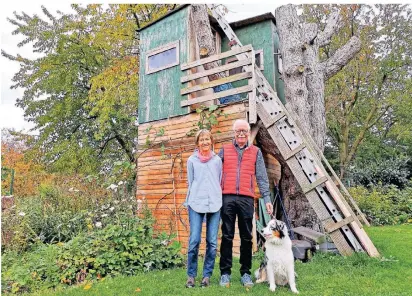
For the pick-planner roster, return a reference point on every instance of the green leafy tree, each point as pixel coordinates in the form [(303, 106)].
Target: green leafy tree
[(371, 96), (82, 91)]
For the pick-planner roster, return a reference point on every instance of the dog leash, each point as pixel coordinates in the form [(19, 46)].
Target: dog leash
[(277, 195)]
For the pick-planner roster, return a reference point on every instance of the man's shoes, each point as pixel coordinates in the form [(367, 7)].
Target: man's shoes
[(190, 283), (246, 280), (225, 280), (205, 282)]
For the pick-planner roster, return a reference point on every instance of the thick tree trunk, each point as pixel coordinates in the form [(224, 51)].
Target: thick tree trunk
[(304, 77), (205, 37), (299, 211)]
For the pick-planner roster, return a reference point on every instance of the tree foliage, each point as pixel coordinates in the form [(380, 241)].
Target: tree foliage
[(371, 97), (82, 91)]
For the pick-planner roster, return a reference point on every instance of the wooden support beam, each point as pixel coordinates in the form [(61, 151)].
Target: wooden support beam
[(254, 131), (333, 227), (315, 184), (216, 70), (216, 57), (218, 95), (252, 94), (317, 237), (294, 151), (214, 83)]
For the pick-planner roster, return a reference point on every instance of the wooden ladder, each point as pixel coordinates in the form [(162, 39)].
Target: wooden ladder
[(305, 160)]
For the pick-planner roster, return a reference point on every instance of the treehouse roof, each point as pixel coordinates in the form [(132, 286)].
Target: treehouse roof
[(214, 23)]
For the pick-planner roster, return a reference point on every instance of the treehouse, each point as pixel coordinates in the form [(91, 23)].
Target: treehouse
[(179, 92), (173, 84)]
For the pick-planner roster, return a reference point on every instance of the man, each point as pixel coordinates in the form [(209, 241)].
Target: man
[(242, 162)]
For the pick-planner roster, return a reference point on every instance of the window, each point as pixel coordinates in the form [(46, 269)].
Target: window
[(280, 62), (258, 61), (162, 57)]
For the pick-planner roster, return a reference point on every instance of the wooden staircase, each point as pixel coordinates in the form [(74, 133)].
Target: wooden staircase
[(299, 150)]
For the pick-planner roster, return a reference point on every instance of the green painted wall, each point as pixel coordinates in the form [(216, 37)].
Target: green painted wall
[(261, 35), (159, 92), (280, 87)]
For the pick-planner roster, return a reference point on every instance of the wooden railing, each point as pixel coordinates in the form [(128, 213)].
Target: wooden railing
[(193, 87)]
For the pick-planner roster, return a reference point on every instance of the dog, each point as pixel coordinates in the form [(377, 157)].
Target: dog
[(279, 265)]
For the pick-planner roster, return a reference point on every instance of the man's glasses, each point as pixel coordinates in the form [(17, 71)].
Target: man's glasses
[(241, 131)]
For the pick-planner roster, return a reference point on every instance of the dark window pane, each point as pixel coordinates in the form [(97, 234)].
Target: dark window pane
[(162, 59), (257, 59)]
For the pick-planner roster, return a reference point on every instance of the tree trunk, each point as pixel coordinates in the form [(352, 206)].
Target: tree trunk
[(205, 37), (304, 77)]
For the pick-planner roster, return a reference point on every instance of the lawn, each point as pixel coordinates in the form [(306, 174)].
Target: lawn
[(323, 275)]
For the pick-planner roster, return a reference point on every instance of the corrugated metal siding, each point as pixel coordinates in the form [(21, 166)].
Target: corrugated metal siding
[(159, 92)]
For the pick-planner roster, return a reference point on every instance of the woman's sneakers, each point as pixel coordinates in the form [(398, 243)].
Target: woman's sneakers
[(205, 282), (190, 283)]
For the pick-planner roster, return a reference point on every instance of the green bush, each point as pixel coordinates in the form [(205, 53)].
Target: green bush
[(58, 216), (385, 205), (113, 250), (24, 272)]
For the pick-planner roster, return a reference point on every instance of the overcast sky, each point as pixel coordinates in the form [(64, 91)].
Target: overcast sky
[(12, 116)]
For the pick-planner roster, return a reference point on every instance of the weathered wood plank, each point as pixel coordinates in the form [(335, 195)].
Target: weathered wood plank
[(339, 224), (216, 57), (315, 184), (230, 109), (218, 95), (215, 70), (210, 84)]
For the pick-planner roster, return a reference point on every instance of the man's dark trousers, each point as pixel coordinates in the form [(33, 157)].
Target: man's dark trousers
[(242, 207)]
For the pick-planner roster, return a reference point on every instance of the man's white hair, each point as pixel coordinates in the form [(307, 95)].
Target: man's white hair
[(241, 121)]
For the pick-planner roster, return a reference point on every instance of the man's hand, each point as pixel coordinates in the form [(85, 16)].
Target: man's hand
[(269, 208)]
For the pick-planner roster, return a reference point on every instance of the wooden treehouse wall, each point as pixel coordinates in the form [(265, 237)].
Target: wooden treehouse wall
[(161, 170)]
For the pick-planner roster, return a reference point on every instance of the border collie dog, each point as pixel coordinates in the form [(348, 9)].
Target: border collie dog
[(279, 265)]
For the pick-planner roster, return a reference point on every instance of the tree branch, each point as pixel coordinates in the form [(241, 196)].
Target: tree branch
[(332, 25), (341, 57), (124, 147)]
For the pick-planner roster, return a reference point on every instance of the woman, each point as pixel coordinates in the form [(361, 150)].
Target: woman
[(204, 200)]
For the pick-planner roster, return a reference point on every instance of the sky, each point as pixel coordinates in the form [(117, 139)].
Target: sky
[(12, 116)]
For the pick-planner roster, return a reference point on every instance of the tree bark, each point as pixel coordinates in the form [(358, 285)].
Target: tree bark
[(304, 78), (205, 37)]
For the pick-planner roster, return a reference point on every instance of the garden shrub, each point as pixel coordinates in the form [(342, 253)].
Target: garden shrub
[(385, 205), (57, 215), (123, 249)]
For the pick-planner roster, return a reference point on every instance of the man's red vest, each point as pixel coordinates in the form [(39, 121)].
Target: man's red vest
[(244, 172)]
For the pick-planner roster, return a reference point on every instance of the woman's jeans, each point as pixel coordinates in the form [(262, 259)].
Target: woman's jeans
[(212, 228)]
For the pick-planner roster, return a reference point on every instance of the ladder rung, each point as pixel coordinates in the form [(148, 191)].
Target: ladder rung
[(275, 119), (295, 151), (333, 227), (315, 184)]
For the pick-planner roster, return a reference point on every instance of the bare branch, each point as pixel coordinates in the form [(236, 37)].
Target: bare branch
[(332, 25), (341, 57)]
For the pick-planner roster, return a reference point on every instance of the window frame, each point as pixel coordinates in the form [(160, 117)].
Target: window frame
[(160, 49)]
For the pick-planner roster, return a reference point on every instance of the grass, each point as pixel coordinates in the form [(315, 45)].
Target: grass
[(324, 275)]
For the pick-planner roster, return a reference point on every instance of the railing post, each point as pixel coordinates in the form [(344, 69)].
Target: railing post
[(252, 95)]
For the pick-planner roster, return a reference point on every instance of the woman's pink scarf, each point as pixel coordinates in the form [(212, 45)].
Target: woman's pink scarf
[(204, 158)]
